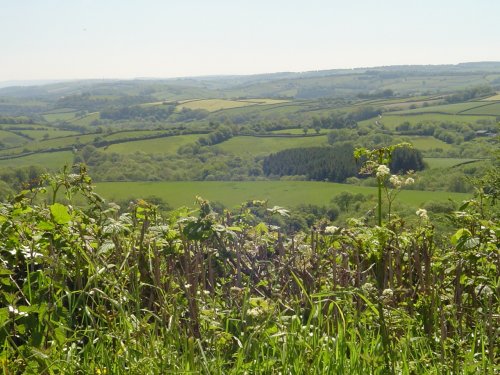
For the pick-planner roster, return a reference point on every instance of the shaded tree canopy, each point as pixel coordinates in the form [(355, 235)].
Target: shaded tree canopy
[(317, 163), (406, 159)]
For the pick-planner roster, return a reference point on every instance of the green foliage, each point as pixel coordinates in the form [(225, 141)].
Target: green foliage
[(317, 163), (406, 159), (92, 290), (153, 113)]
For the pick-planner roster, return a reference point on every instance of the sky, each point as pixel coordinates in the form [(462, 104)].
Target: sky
[(81, 39)]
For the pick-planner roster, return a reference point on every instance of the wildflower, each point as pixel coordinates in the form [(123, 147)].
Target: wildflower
[(409, 181), (255, 312), (14, 311), (395, 181), (331, 229), (388, 293), (422, 213), (383, 170)]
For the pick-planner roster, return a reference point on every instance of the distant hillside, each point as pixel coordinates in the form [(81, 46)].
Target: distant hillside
[(400, 80)]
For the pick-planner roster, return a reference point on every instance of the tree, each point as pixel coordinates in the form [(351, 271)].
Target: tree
[(406, 159)]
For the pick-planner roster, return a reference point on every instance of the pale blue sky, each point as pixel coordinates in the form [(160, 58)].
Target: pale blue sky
[(60, 39)]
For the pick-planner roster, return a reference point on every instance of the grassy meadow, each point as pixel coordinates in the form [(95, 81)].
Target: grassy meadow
[(446, 162), (233, 193), (10, 139), (256, 146), (425, 143), (51, 160), (392, 120), (166, 145)]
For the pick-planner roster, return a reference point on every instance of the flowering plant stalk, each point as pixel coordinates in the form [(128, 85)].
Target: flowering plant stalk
[(376, 161)]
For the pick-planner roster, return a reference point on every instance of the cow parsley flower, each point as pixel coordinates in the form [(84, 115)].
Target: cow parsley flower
[(409, 181), (422, 213), (382, 171), (255, 312), (331, 229), (395, 181)]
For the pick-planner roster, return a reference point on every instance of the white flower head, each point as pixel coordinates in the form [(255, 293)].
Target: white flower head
[(388, 293), (255, 312), (395, 181), (409, 181), (422, 213), (382, 171), (331, 229), (14, 311)]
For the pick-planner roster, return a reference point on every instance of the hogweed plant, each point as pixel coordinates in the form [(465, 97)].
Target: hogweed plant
[(375, 162)]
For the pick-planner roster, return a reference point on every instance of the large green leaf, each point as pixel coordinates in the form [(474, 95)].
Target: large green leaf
[(60, 213)]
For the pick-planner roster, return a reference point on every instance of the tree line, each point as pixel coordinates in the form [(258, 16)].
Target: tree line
[(316, 163), (333, 163)]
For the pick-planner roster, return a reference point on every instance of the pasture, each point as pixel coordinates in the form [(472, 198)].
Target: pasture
[(213, 105), (257, 146), (492, 109), (10, 139), (132, 134), (451, 109), (39, 134), (233, 193), (59, 116), (434, 163), (426, 143), (390, 121), (86, 120), (55, 143), (493, 98), (166, 145), (51, 160)]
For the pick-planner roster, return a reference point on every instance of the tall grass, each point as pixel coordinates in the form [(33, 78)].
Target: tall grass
[(91, 290)]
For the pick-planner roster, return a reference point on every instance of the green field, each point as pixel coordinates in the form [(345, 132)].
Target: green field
[(86, 120), (391, 121), (55, 143), (493, 98), (425, 143), (255, 146), (132, 134), (265, 101), (231, 194), (492, 109), (213, 105), (60, 116), (446, 162), (49, 160), (9, 139), (39, 134), (451, 109), (167, 145)]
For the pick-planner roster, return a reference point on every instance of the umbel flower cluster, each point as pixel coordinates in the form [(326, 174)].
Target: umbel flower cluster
[(383, 171), (399, 181)]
